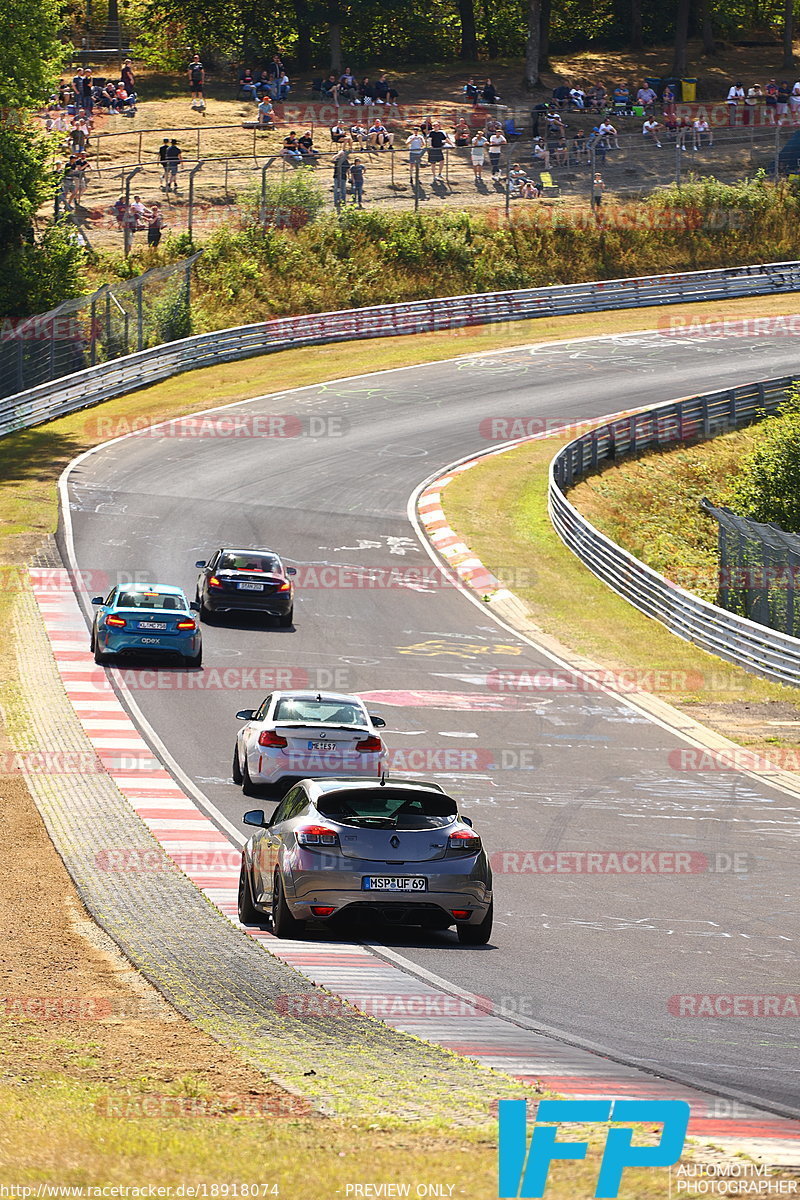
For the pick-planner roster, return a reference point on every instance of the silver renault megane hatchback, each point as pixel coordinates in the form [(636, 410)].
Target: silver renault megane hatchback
[(397, 850)]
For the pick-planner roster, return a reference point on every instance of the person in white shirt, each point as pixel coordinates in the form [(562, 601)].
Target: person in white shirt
[(416, 146), (608, 135), (650, 129), (701, 129), (496, 143), (735, 98), (794, 99), (577, 98)]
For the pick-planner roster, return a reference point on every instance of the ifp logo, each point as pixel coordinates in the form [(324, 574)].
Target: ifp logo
[(523, 1171)]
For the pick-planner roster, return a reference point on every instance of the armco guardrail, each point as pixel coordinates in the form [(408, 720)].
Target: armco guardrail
[(95, 384), (755, 647)]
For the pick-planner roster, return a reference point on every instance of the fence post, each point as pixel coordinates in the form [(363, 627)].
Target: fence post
[(777, 151), (188, 287), (416, 186), (93, 327), (678, 163), (263, 207), (592, 172), (139, 316), (126, 228), (508, 182)]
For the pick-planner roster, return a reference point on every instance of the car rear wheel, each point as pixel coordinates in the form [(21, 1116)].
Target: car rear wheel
[(287, 619), (206, 615), (477, 935), (236, 770), (248, 787), (194, 660), (248, 913), (284, 925), (99, 657)]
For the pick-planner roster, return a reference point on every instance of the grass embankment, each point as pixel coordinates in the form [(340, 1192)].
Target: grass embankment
[(56, 1072), (379, 257), (571, 604)]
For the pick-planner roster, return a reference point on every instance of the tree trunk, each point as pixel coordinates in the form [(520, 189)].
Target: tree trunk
[(707, 28), (544, 43), (488, 29), (335, 34), (637, 31), (531, 77), (469, 39), (788, 29), (302, 55), (681, 37)]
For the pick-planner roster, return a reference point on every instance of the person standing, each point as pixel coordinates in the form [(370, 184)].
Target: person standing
[(416, 145), (127, 76), (341, 170), (357, 180), (163, 159), (438, 139), (598, 187), (155, 224), (478, 153), (197, 78), (174, 160), (735, 98), (496, 143)]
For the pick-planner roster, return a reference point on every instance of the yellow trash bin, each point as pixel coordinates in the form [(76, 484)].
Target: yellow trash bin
[(689, 90)]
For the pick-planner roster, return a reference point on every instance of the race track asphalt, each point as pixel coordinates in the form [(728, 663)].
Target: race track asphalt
[(595, 956)]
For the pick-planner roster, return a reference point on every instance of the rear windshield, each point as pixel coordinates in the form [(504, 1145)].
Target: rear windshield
[(329, 712), (388, 808), (266, 563), (154, 599)]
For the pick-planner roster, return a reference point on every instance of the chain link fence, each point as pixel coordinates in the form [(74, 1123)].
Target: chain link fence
[(759, 570), (118, 319)]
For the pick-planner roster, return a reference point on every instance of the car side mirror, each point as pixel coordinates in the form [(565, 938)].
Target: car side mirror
[(377, 721), (201, 563), (467, 821), (245, 714), (255, 817), (97, 599), (194, 606), (291, 570)]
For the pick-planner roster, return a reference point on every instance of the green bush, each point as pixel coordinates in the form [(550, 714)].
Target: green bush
[(767, 486)]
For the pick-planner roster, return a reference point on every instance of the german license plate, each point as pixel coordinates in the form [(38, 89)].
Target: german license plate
[(394, 883), (323, 747), (251, 587), (152, 624)]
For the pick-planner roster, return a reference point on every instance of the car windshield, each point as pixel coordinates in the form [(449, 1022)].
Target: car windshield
[(243, 561), (154, 599), (388, 808), (329, 712)]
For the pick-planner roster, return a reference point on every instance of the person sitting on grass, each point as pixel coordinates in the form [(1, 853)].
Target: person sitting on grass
[(247, 84), (291, 150), (650, 130), (596, 97), (489, 93), (330, 89), (384, 92), (577, 98), (366, 91), (540, 154), (305, 145), (265, 114), (520, 183), (471, 92), (263, 85), (579, 148), (608, 136), (348, 86)]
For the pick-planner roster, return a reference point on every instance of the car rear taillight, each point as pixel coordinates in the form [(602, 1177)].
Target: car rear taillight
[(186, 625), (322, 910), (268, 737), (214, 582), (116, 622), (463, 841), (285, 586), (317, 835), (370, 745)]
